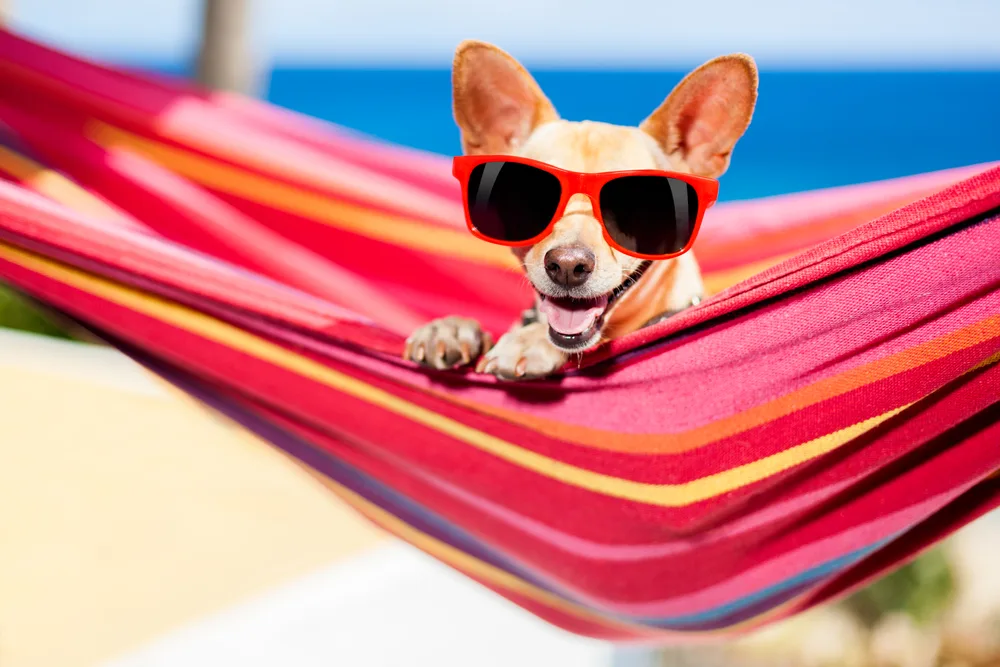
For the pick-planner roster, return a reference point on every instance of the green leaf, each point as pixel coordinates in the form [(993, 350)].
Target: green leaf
[(16, 312)]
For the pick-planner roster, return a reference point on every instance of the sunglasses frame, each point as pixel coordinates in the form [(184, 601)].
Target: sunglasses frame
[(588, 184)]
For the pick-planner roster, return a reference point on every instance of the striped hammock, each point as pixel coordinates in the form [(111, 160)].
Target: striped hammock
[(832, 410)]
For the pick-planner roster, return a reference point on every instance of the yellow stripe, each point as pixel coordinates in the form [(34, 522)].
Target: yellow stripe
[(989, 361), (664, 495), (53, 185), (384, 227)]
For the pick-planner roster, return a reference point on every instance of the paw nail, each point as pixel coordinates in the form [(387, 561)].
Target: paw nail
[(521, 368), (407, 350), (466, 352), (439, 350), (421, 353)]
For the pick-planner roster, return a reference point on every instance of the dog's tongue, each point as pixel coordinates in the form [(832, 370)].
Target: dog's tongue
[(570, 317)]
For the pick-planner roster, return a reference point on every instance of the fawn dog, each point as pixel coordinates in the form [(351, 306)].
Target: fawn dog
[(600, 216)]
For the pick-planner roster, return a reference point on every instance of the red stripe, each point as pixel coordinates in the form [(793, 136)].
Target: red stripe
[(908, 446)]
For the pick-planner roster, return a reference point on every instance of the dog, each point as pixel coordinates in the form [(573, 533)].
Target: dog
[(500, 110)]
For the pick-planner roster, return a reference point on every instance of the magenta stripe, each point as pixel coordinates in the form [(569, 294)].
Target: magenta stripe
[(775, 570), (722, 357)]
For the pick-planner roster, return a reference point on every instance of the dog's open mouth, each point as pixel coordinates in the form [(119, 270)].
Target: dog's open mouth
[(575, 324)]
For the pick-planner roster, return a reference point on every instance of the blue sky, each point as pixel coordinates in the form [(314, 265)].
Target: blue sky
[(648, 33)]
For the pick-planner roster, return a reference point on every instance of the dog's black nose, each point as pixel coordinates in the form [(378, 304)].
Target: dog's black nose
[(569, 266)]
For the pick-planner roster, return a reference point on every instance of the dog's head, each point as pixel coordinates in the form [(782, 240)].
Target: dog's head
[(500, 109)]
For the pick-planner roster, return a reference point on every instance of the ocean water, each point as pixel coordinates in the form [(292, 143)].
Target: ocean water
[(810, 129)]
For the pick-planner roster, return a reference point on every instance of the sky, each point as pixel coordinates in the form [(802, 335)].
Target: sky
[(786, 34)]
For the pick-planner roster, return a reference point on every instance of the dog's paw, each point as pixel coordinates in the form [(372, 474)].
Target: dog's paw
[(447, 343), (523, 353)]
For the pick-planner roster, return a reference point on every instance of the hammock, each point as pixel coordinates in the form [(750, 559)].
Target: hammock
[(831, 411)]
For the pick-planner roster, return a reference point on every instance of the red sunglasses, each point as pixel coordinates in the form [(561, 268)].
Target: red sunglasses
[(646, 213)]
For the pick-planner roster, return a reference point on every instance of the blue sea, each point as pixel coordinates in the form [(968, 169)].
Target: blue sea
[(810, 130)]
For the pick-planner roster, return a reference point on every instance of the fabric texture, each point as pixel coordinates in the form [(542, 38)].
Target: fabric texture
[(829, 412)]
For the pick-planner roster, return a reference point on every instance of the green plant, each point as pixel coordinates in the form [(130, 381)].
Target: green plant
[(921, 589), (17, 312)]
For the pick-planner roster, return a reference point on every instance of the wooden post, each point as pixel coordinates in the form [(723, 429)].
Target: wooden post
[(224, 57)]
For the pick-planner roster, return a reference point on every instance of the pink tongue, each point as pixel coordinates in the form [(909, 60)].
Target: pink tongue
[(572, 317)]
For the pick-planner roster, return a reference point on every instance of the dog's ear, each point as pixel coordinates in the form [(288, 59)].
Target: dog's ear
[(497, 103), (702, 119)]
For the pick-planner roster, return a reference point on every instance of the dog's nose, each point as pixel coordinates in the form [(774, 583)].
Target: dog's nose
[(569, 266)]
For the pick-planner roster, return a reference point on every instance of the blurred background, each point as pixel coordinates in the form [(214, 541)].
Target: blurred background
[(850, 91)]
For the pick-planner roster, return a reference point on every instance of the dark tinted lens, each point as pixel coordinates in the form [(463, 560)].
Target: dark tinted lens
[(509, 201), (649, 215)]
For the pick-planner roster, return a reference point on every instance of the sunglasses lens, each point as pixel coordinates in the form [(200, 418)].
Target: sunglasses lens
[(509, 201), (649, 215)]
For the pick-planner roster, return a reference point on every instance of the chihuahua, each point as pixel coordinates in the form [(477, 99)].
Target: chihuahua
[(597, 274)]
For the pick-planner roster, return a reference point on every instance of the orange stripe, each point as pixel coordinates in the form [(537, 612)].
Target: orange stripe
[(410, 232), (676, 443), (318, 207), (716, 281), (53, 185), (403, 230)]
